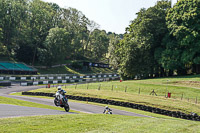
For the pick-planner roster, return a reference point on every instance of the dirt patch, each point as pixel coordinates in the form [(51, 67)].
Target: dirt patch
[(188, 83)]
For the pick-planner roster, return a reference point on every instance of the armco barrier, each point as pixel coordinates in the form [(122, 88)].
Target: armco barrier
[(45, 82), (58, 77), (176, 114)]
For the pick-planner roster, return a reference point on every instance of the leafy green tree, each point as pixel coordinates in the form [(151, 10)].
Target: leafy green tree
[(141, 41), (98, 44), (29, 28), (183, 23), (39, 24), (57, 46), (112, 55), (91, 27), (2, 47), (12, 15), (76, 23)]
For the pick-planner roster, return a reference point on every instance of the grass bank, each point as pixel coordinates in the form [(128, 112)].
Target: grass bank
[(155, 101), (70, 70), (5, 100), (185, 97), (96, 123)]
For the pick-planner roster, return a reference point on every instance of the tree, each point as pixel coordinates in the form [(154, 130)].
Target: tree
[(26, 26), (98, 44), (76, 23), (183, 23), (112, 55), (12, 15), (39, 24), (2, 47), (57, 46), (141, 41), (91, 27)]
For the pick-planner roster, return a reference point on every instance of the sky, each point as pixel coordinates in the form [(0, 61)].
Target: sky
[(111, 15)]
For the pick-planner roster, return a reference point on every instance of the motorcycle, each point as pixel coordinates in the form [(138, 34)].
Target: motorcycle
[(108, 111), (61, 100)]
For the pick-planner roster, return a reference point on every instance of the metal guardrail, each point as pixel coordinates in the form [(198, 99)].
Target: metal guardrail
[(57, 77), (45, 82)]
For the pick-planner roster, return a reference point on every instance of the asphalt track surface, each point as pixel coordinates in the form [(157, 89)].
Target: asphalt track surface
[(17, 111)]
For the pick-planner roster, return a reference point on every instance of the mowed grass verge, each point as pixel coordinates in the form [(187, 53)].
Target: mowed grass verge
[(5, 100), (184, 98), (70, 70), (83, 123)]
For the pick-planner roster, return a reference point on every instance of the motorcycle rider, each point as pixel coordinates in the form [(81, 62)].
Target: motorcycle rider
[(107, 109), (60, 94)]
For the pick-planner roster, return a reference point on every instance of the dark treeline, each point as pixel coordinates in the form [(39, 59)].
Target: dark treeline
[(161, 41), (33, 31)]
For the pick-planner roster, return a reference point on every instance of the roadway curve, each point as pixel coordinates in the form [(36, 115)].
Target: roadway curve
[(86, 108)]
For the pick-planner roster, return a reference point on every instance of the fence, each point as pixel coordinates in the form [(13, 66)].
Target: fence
[(137, 90)]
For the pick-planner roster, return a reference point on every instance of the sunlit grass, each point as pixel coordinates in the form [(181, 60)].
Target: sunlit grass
[(155, 101), (69, 70), (183, 98), (5, 100), (82, 123)]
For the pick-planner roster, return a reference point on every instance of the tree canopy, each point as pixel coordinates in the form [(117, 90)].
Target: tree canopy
[(160, 41), (34, 31)]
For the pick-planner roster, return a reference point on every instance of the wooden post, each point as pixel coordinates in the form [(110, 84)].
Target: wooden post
[(75, 86), (112, 87), (139, 91), (87, 86), (182, 97), (99, 87), (196, 100), (125, 88), (65, 86)]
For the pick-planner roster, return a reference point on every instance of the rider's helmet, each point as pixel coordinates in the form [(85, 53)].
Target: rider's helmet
[(59, 88), (106, 107)]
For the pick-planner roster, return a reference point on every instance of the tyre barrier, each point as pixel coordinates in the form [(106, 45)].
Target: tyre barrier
[(177, 114)]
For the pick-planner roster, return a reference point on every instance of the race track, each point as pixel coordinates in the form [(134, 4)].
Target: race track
[(86, 108), (17, 111)]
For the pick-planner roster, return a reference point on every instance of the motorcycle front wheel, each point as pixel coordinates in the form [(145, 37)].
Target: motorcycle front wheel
[(56, 102), (66, 108)]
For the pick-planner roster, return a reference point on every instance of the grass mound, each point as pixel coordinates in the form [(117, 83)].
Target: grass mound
[(70, 70), (96, 123), (184, 98)]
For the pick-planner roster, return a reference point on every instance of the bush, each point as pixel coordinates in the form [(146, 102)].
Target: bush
[(77, 65)]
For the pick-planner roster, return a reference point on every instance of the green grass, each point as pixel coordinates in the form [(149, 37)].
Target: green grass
[(69, 70), (5, 100), (160, 102), (85, 123), (115, 123), (111, 106), (185, 97)]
